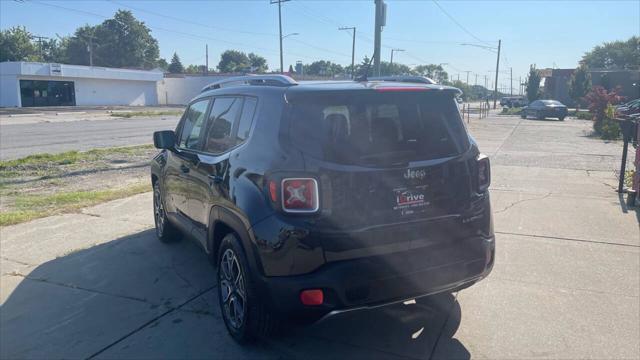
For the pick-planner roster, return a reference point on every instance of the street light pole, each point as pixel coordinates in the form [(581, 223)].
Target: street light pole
[(353, 49), (279, 2)]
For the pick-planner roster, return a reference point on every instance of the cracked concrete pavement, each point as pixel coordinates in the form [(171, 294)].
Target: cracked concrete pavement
[(566, 283)]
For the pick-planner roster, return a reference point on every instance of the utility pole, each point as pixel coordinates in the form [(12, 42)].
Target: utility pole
[(476, 82), (467, 76), (206, 66), (353, 49), (391, 62), (486, 82), (520, 87), (40, 38), (495, 91), (511, 82), (279, 2), (380, 21), (458, 76), (91, 51)]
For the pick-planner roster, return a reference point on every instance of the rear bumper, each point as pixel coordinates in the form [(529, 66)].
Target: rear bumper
[(375, 281)]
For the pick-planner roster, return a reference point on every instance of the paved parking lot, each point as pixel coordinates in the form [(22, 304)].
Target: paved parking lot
[(566, 283)]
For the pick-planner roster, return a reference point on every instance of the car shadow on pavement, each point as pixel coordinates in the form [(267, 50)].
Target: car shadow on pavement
[(135, 297)]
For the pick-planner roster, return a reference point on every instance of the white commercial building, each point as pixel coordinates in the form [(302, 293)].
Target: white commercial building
[(24, 84), (180, 89)]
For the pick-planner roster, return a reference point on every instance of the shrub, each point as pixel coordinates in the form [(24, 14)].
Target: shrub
[(600, 103), (608, 128)]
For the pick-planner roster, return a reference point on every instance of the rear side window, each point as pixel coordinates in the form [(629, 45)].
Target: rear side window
[(378, 129), (193, 125), (224, 114), (246, 119)]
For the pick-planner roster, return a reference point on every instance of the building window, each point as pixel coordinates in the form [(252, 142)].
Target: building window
[(47, 93)]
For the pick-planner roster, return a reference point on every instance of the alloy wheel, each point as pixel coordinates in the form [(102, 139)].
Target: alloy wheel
[(158, 213), (232, 289)]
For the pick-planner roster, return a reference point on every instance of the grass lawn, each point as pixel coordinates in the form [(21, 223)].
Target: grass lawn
[(146, 113), (29, 207), (48, 184)]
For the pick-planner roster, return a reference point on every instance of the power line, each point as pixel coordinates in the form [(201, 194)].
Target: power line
[(457, 23), (191, 21), (184, 34)]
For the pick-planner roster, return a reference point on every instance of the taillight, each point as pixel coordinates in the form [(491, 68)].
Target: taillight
[(300, 195), (484, 173)]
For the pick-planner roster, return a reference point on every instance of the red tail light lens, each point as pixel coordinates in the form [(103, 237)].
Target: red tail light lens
[(484, 173), (312, 297), (300, 195)]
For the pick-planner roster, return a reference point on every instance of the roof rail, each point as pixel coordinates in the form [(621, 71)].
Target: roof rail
[(404, 78), (267, 80)]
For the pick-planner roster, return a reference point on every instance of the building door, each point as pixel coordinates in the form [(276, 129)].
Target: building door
[(47, 93)]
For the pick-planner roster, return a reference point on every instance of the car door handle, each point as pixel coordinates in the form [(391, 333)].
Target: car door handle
[(184, 168), (215, 179)]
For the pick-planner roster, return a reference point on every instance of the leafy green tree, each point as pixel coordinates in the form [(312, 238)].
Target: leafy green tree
[(16, 45), (78, 45), (533, 84), (176, 66), (233, 61), (258, 63), (163, 64), (125, 42), (387, 68), (361, 67), (323, 68), (615, 55), (433, 71), (579, 84)]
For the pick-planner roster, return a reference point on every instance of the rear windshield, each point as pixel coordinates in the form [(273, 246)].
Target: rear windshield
[(378, 129)]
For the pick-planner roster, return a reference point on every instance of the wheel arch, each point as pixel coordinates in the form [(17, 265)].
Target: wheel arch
[(222, 222)]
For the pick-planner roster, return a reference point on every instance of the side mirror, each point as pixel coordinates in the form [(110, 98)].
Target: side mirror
[(164, 139)]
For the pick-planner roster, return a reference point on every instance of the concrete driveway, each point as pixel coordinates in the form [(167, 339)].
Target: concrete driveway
[(566, 283)]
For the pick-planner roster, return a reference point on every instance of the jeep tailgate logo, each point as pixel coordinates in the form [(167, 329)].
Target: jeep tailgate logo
[(415, 174)]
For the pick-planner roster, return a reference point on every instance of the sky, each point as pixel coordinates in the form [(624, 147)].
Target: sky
[(546, 33)]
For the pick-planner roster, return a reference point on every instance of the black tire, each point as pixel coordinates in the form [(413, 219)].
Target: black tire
[(256, 319), (165, 231), (523, 114), (539, 115), (561, 118)]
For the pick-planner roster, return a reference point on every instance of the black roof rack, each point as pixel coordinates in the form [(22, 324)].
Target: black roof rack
[(404, 78), (267, 80)]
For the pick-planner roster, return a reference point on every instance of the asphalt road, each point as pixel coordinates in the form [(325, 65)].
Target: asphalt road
[(566, 281), (19, 140)]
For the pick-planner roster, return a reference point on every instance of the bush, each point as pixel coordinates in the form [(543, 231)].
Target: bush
[(609, 129), (601, 107)]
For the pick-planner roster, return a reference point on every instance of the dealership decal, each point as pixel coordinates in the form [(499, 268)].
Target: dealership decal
[(409, 200)]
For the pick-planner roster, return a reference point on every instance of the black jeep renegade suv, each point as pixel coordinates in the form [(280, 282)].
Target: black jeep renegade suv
[(320, 197)]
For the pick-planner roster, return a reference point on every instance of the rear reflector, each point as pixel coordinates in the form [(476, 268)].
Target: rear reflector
[(300, 195), (312, 297), (273, 191)]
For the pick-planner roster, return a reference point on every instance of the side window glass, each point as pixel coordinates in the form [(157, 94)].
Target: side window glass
[(246, 119), (224, 114), (193, 125)]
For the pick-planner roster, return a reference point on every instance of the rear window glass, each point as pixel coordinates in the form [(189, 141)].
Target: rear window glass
[(378, 129)]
